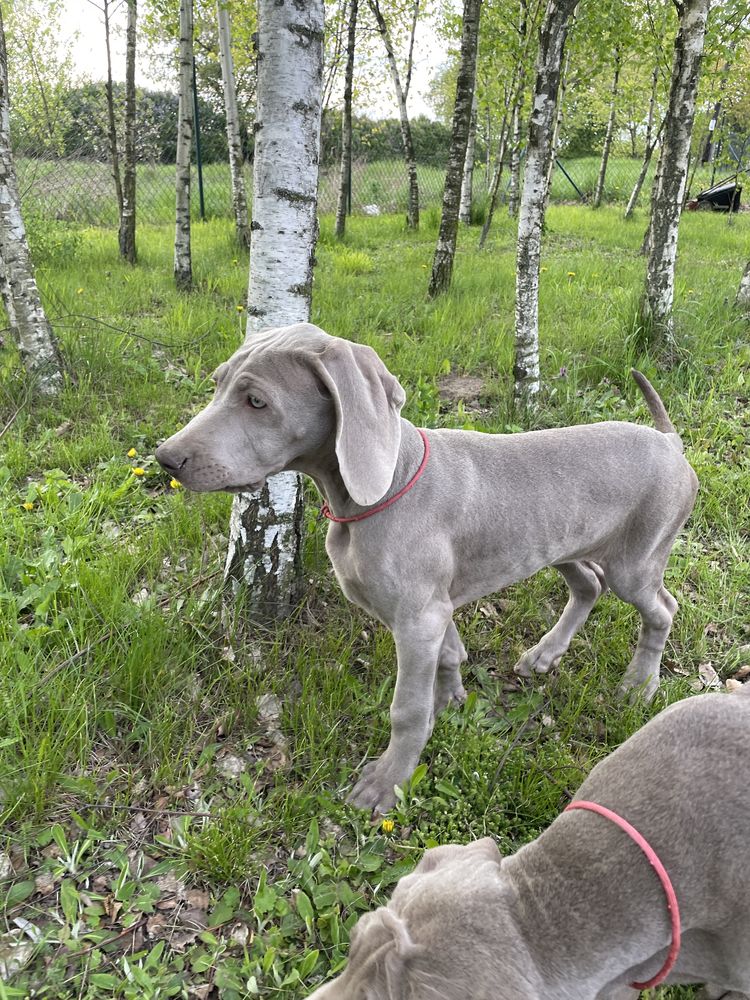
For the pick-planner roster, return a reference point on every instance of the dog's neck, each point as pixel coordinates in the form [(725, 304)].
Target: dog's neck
[(323, 468), (589, 912)]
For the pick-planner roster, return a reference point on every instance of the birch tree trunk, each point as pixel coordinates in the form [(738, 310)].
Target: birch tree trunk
[(467, 181), (514, 188), (552, 37), (127, 215), (266, 528), (20, 295), (495, 185), (743, 292), (666, 206), (239, 196), (412, 208), (111, 122), (345, 179), (445, 251), (648, 153), (608, 135), (555, 143), (183, 266), (650, 144)]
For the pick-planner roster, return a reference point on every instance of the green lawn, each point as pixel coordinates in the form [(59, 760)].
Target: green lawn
[(171, 778)]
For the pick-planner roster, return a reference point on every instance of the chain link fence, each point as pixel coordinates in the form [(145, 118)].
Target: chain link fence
[(74, 181)]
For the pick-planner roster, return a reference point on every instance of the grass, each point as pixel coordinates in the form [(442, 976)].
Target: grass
[(173, 777)]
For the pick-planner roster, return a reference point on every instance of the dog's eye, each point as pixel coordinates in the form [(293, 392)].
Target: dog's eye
[(256, 403)]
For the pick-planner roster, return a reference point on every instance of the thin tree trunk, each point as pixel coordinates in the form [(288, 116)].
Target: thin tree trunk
[(445, 251), (495, 185), (412, 209), (599, 189), (183, 267), (266, 528), (467, 181), (556, 131), (673, 167), (743, 292), (514, 188), (345, 179), (649, 152), (552, 37), (127, 216), (239, 196), (111, 122), (20, 295)]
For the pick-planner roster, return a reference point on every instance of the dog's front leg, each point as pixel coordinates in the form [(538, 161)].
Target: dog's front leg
[(418, 644)]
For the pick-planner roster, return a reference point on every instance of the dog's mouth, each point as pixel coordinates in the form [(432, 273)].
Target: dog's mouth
[(245, 488)]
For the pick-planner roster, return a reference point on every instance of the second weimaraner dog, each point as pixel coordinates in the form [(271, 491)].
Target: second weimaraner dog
[(602, 503), (578, 913)]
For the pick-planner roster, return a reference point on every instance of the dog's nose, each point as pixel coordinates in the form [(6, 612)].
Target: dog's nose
[(169, 459)]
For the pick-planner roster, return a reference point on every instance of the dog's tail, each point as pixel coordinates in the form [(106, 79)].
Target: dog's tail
[(658, 411)]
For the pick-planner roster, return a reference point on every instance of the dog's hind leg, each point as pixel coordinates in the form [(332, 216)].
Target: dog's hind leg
[(448, 683), (586, 583), (657, 608)]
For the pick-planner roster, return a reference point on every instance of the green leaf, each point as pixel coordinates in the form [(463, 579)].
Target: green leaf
[(313, 838), (19, 891), (417, 777), (104, 980), (308, 963), (305, 908), (69, 898)]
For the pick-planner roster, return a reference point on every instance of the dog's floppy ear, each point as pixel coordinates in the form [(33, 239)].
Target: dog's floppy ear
[(436, 857), (368, 400), (380, 956)]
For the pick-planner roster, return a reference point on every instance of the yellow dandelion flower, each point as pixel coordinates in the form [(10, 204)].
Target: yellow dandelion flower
[(28, 505), (175, 484), (138, 471), (387, 826), (543, 269), (79, 291), (571, 274), (234, 260), (132, 453), (240, 309)]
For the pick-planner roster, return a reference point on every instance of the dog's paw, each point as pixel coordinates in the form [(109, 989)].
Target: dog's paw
[(446, 693), (536, 660), (374, 790), (637, 690)]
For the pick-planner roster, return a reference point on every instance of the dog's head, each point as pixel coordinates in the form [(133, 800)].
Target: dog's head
[(435, 937), (285, 396)]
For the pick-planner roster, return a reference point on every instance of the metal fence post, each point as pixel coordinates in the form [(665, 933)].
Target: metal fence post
[(198, 158)]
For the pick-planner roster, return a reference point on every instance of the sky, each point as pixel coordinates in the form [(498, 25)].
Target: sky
[(83, 33)]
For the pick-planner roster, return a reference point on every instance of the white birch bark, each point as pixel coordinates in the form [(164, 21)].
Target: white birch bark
[(26, 316), (467, 182), (666, 206), (239, 195), (266, 528), (514, 188), (557, 130), (412, 208), (445, 251), (127, 215), (183, 267), (345, 176), (743, 292), (552, 37), (609, 133)]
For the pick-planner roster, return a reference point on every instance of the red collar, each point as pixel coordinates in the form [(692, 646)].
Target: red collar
[(325, 510), (653, 859)]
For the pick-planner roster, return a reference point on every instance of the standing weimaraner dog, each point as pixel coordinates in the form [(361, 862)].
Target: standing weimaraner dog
[(579, 914), (600, 502)]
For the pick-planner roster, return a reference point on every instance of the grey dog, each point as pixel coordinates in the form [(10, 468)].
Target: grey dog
[(579, 914), (602, 503)]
